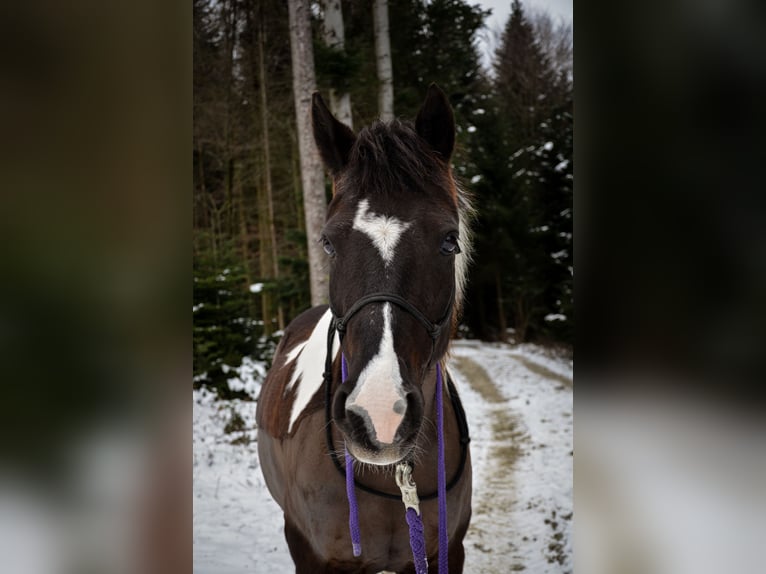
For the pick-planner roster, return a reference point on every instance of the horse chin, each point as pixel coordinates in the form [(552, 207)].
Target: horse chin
[(385, 456)]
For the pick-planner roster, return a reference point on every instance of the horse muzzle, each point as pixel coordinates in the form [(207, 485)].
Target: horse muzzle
[(379, 428)]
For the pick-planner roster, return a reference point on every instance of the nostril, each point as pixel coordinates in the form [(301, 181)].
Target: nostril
[(339, 404), (360, 428), (415, 404)]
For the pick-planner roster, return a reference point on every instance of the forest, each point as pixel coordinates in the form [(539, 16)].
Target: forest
[(514, 153)]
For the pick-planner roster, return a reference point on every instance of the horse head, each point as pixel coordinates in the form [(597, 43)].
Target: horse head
[(393, 236)]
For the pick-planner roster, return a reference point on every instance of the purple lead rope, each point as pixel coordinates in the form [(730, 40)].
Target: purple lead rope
[(417, 541), (353, 509)]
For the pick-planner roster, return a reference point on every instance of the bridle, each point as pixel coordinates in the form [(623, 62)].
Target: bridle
[(339, 324), (434, 330)]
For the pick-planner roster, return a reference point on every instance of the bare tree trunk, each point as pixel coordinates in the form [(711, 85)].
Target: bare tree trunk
[(215, 225), (230, 43), (267, 170), (244, 233), (312, 177), (208, 207), (500, 308), (295, 171), (383, 59), (334, 37), (522, 320), (265, 270)]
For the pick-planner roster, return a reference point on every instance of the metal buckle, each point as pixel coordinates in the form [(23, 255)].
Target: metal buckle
[(407, 486)]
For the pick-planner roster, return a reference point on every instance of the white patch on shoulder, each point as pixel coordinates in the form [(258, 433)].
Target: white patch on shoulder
[(309, 367), (384, 231)]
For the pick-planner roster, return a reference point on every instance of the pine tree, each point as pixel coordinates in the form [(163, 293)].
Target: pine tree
[(524, 79), (522, 158)]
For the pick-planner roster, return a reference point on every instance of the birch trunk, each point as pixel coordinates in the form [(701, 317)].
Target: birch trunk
[(312, 176), (383, 60), (335, 38)]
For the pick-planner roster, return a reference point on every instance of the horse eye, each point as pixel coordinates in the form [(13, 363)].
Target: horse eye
[(449, 245), (328, 248)]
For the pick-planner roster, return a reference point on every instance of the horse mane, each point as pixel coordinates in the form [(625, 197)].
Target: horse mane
[(466, 215)]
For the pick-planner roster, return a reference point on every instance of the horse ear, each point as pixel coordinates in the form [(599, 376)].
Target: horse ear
[(436, 122), (334, 139)]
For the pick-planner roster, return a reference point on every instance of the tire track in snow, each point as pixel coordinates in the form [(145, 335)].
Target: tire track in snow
[(496, 491), (542, 370)]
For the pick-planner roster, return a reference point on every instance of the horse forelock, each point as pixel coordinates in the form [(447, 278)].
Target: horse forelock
[(391, 156)]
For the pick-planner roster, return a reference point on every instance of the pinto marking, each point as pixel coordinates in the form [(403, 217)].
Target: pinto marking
[(306, 375), (383, 231), (379, 396)]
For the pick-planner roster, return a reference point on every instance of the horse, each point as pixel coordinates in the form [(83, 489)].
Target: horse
[(364, 375)]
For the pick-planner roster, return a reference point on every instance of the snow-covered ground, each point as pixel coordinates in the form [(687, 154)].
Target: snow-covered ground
[(519, 406), (518, 400)]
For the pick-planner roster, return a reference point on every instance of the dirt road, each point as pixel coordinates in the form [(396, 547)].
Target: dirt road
[(520, 411)]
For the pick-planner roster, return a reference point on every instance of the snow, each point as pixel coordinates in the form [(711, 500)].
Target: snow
[(237, 527), (249, 376), (520, 420), (256, 287)]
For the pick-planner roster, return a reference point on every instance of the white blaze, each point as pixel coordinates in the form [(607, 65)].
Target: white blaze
[(382, 230), (379, 387)]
